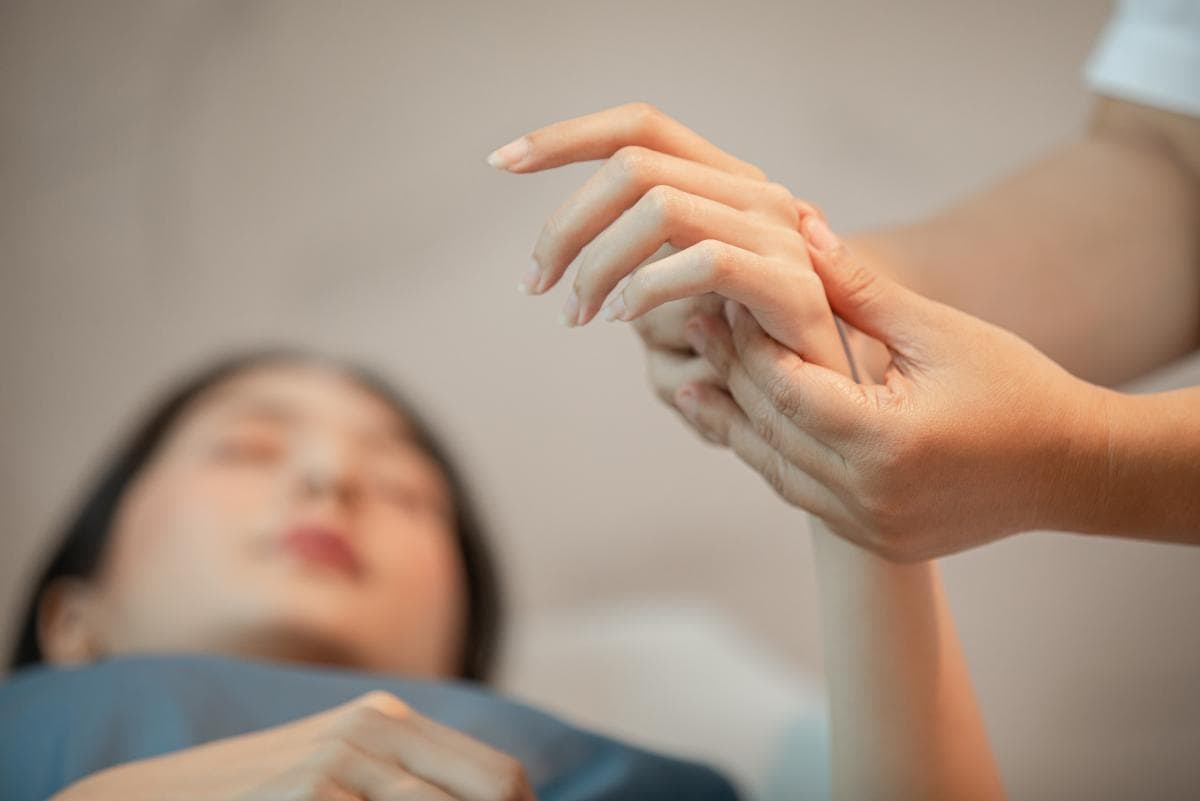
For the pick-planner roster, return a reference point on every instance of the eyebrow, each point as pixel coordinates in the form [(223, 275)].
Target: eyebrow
[(274, 410)]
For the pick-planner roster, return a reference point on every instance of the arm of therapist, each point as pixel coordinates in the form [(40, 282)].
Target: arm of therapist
[(973, 434)]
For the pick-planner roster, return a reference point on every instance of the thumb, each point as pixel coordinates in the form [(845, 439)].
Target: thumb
[(872, 303)]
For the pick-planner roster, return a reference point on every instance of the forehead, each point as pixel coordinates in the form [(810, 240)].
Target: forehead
[(302, 393)]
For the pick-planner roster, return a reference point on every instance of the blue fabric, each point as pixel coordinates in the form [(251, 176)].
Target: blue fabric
[(58, 725)]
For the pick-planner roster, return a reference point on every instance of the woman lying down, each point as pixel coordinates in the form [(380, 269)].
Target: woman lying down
[(279, 589)]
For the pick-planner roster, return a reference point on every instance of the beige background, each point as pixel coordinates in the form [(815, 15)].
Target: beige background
[(177, 178)]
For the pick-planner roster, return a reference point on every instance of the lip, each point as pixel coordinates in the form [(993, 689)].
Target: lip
[(323, 545)]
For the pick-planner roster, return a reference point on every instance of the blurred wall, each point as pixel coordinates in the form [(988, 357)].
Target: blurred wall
[(181, 177)]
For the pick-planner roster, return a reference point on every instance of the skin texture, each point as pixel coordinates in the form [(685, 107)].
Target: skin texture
[(267, 450), (197, 564), (903, 717)]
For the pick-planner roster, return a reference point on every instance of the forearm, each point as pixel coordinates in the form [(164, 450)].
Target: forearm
[(903, 719), (1147, 476), (1092, 254)]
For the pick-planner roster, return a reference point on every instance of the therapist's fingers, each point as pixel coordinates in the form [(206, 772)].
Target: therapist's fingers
[(716, 415), (804, 449), (816, 399), (602, 133), (624, 179), (461, 766)]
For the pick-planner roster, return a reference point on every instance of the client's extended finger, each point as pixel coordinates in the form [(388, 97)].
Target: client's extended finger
[(716, 415), (602, 133), (632, 172), (788, 296), (665, 214)]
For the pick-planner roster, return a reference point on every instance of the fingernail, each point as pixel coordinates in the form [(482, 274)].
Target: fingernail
[(687, 401), (615, 307), (729, 309), (694, 334), (819, 234), (533, 276), (570, 312), (507, 157)]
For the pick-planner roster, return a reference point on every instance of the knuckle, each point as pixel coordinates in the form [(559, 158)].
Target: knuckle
[(784, 396), (511, 783), (781, 200), (646, 116), (714, 262), (631, 163), (365, 712), (331, 757), (666, 204), (660, 199)]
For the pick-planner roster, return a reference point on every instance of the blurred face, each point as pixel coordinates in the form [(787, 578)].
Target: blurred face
[(287, 515)]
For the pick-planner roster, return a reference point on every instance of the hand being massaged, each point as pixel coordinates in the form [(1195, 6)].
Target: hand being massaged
[(971, 434)]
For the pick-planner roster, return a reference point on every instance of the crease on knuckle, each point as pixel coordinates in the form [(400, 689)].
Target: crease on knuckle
[(668, 208), (646, 116), (781, 202), (762, 420), (781, 390), (715, 262), (631, 164)]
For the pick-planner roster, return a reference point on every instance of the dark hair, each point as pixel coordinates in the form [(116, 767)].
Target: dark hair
[(82, 543)]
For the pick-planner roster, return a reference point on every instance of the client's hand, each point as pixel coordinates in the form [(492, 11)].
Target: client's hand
[(972, 435), (664, 189), (373, 748)]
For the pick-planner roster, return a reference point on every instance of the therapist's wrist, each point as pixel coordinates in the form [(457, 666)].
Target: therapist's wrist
[(1113, 484)]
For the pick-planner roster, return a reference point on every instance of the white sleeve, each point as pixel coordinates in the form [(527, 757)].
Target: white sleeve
[(1150, 54)]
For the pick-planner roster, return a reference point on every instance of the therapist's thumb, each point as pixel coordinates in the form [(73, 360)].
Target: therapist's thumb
[(872, 303)]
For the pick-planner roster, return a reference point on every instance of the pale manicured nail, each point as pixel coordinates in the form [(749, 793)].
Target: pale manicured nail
[(533, 276), (819, 234), (510, 155), (615, 307), (729, 308), (570, 312), (687, 401)]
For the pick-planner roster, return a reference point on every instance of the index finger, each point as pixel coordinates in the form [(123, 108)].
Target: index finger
[(600, 134)]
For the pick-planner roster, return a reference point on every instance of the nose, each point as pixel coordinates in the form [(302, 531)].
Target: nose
[(326, 471)]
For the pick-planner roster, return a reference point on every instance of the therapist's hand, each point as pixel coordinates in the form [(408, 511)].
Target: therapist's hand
[(686, 222), (373, 748), (972, 435)]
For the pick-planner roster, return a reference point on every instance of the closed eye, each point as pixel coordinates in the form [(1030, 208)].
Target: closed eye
[(249, 448)]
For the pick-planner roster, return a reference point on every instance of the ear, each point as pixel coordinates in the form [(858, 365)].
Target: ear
[(68, 618)]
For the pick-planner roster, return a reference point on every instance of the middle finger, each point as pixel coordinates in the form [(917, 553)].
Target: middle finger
[(627, 177), (665, 214)]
